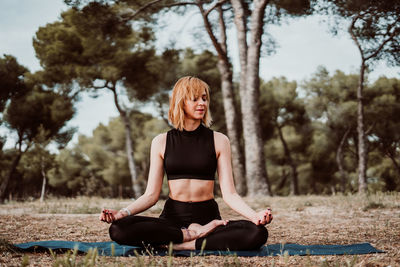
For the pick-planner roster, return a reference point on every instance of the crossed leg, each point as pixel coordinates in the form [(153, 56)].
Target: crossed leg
[(235, 235), (218, 234), (196, 231)]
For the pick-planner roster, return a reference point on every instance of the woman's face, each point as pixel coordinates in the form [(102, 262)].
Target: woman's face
[(196, 108)]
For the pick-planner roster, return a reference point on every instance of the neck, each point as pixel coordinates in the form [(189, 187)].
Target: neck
[(191, 125)]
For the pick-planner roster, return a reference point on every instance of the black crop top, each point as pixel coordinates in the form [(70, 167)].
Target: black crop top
[(190, 154)]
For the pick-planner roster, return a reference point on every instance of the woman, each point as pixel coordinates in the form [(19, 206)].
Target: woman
[(190, 154)]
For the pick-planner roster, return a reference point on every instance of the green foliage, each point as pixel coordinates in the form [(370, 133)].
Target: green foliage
[(375, 26), (287, 130), (95, 48), (331, 103), (30, 169), (37, 110), (313, 128), (204, 66), (70, 259), (11, 80), (36, 117), (97, 165)]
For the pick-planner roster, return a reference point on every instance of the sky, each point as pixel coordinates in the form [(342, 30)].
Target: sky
[(302, 45)]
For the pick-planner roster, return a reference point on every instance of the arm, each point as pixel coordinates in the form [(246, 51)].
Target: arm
[(154, 184), (229, 194)]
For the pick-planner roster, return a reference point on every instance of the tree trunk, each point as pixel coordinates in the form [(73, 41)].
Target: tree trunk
[(241, 31), (224, 68), (339, 161), (283, 180), (294, 187), (44, 181), (393, 159), (256, 174), (391, 32), (129, 153), (128, 143), (233, 133), (7, 179), (362, 150)]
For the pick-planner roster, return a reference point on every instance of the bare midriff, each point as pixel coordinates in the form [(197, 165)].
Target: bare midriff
[(191, 190)]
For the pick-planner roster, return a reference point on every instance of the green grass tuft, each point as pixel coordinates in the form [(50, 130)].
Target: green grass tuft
[(373, 205), (6, 246)]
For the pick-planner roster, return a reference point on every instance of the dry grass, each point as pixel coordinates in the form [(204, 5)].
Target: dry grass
[(304, 220)]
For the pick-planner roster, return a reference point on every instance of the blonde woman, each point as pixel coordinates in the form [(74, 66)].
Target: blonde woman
[(190, 154)]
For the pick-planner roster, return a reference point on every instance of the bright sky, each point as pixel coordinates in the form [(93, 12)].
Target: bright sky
[(303, 44)]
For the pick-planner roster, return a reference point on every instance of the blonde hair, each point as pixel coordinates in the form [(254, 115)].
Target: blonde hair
[(187, 87)]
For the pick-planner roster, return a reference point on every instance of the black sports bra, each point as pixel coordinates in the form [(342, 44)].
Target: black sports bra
[(190, 154)]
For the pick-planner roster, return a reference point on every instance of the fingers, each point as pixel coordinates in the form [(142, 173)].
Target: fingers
[(265, 217), (102, 216), (107, 216), (222, 222), (269, 215)]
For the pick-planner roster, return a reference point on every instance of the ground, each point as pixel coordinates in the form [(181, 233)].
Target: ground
[(304, 219)]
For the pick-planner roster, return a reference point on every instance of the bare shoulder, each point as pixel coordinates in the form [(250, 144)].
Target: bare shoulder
[(221, 141), (159, 139), (158, 143), (220, 137)]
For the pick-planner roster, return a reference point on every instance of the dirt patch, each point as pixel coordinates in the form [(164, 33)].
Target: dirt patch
[(303, 220)]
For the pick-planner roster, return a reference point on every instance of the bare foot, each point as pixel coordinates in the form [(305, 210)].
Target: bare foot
[(190, 245), (203, 230), (195, 231)]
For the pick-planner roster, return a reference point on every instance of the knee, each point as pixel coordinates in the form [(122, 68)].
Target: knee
[(115, 233), (258, 235)]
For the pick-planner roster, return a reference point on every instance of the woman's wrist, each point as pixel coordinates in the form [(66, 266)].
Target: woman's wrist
[(125, 211)]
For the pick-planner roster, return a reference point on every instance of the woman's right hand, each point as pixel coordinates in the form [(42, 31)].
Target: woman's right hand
[(109, 215)]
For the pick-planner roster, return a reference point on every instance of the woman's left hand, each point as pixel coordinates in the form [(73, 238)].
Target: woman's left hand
[(263, 217)]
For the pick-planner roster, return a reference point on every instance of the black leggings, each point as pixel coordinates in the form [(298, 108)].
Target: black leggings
[(140, 230)]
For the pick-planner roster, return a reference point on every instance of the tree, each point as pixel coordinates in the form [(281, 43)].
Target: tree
[(383, 109), (137, 9), (331, 100), (250, 18), (97, 165), (256, 175), (11, 80), (375, 30), (28, 114), (287, 114), (93, 48), (228, 94)]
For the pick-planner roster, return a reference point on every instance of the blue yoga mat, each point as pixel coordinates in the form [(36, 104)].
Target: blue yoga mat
[(105, 249)]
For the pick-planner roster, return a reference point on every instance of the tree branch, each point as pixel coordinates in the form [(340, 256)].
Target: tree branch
[(106, 85), (210, 32), (370, 128), (223, 29), (391, 36), (217, 4), (143, 8), (181, 4), (351, 27), (114, 91)]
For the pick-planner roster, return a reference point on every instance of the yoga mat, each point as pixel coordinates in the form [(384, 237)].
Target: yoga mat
[(104, 248)]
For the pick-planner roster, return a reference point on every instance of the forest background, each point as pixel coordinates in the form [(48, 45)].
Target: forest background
[(288, 137)]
